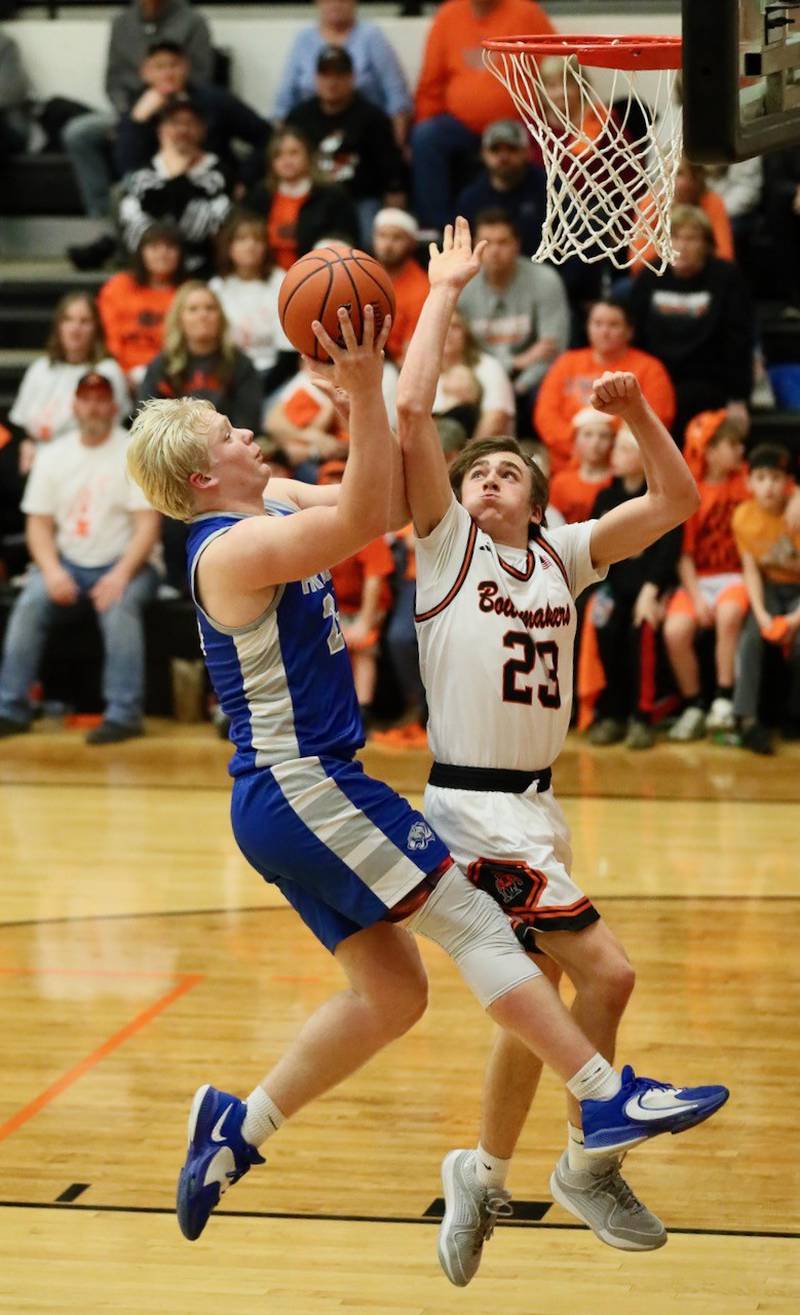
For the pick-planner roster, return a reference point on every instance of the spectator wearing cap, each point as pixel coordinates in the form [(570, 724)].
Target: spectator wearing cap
[(166, 73), (376, 68), (92, 537), (354, 141), (394, 241), (516, 310), (457, 97), (87, 138), (508, 182), (184, 185)]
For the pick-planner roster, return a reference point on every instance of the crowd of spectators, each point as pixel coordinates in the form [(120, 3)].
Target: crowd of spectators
[(207, 202)]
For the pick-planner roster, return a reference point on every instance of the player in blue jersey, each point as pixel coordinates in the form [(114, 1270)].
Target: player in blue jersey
[(351, 856)]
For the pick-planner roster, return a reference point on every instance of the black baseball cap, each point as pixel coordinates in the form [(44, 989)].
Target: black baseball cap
[(334, 59), (176, 104)]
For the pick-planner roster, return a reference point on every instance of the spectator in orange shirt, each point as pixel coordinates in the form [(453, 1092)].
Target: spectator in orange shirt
[(363, 597), (306, 423), (394, 240), (691, 189), (770, 553), (573, 491), (457, 97), (298, 208), (134, 302), (567, 386), (710, 572)]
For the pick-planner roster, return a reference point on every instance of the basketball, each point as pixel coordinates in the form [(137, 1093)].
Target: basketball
[(319, 283)]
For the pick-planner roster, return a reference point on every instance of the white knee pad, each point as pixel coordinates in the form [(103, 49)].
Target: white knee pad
[(477, 935)]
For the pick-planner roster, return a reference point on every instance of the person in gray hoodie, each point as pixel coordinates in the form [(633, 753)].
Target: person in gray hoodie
[(86, 137)]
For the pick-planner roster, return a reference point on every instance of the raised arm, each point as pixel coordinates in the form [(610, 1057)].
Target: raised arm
[(671, 494), (427, 482), (265, 550)]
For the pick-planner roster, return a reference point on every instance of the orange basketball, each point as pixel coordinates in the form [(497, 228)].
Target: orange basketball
[(319, 283)]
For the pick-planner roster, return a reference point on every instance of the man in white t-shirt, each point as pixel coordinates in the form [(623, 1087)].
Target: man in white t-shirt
[(92, 536)]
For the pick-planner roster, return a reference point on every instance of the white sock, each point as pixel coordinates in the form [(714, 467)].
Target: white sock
[(597, 1080), (490, 1170), (262, 1119), (578, 1160)]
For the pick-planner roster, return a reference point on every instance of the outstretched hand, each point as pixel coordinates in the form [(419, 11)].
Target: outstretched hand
[(616, 393), (456, 264), (357, 366)]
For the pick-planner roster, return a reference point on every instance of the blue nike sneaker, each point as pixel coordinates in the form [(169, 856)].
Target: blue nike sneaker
[(644, 1108), (217, 1156)]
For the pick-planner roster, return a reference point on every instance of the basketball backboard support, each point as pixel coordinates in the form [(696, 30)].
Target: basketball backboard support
[(741, 78)]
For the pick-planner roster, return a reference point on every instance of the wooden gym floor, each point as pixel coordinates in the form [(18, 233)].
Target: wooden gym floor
[(139, 956)]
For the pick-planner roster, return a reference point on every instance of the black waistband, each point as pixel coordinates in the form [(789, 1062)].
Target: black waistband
[(488, 778)]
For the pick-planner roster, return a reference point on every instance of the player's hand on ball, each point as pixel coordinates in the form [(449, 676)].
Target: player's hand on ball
[(324, 380), (357, 366), (616, 393), (456, 263)]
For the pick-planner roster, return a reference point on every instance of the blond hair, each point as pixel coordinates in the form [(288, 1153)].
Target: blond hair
[(169, 441), (175, 352)]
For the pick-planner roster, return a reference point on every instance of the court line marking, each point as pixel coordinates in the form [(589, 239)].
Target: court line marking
[(286, 908), (183, 983), (319, 1217)]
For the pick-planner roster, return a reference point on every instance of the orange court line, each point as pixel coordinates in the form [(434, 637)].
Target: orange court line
[(184, 983)]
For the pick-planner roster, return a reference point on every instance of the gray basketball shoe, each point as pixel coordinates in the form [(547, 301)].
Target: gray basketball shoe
[(606, 1203), (471, 1212)]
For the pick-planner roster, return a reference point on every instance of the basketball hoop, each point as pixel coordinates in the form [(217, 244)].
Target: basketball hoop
[(610, 161)]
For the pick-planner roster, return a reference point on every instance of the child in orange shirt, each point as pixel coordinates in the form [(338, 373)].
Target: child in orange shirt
[(770, 554), (133, 304), (710, 572), (363, 597), (574, 490)]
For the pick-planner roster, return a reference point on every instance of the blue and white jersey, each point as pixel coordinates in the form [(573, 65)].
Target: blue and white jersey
[(285, 679)]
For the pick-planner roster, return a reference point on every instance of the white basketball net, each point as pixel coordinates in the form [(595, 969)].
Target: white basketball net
[(610, 176)]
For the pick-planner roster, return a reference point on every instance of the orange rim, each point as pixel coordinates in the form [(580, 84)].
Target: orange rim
[(598, 51)]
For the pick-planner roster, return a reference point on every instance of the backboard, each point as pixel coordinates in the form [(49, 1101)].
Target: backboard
[(741, 78)]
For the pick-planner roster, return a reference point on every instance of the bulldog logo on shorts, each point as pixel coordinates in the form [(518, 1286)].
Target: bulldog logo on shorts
[(420, 836)]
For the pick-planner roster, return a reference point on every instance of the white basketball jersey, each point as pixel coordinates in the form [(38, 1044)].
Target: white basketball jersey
[(496, 630)]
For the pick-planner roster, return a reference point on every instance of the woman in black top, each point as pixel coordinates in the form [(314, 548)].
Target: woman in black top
[(199, 360)]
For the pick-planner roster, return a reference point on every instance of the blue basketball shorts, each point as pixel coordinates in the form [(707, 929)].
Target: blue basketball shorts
[(344, 849)]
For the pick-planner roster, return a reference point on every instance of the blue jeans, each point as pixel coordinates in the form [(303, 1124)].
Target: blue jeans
[(435, 144), (86, 141), (122, 629), (401, 639)]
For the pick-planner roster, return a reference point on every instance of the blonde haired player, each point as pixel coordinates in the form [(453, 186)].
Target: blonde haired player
[(350, 855), (496, 625)]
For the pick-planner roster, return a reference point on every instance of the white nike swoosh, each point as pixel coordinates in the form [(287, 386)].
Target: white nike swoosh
[(216, 1131), (636, 1110)]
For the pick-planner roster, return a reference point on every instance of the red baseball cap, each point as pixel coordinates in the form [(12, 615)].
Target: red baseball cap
[(94, 382)]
